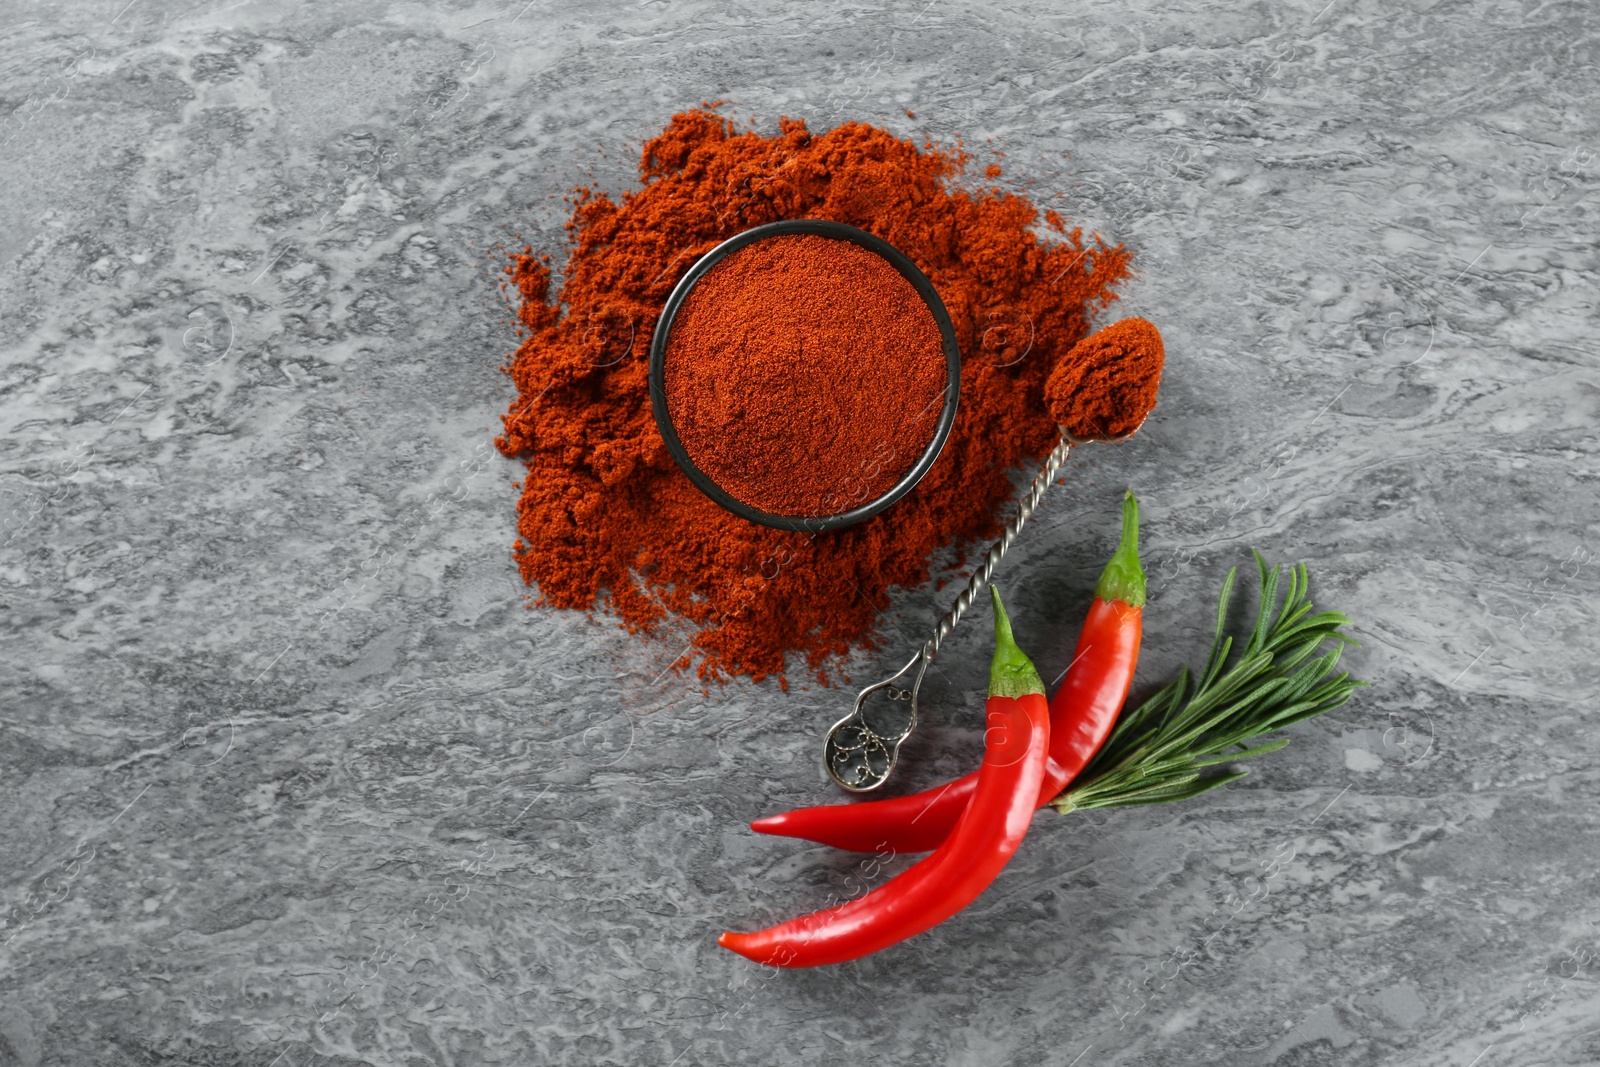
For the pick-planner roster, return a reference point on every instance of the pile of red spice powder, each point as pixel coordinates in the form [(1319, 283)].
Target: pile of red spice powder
[(607, 518), (804, 375)]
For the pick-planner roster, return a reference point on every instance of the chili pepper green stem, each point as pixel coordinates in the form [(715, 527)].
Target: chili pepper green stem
[(1011, 674), (1123, 578)]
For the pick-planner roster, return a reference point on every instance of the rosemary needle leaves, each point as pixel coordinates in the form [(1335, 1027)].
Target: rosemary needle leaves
[(1176, 745)]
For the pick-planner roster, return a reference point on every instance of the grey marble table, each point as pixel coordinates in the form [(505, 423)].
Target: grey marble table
[(293, 775)]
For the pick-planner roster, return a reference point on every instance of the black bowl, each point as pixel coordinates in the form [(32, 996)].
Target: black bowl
[(908, 270)]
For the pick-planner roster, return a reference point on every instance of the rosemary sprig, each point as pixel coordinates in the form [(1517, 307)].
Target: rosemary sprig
[(1165, 748)]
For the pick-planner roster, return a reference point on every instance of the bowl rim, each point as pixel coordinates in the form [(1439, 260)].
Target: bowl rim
[(907, 270)]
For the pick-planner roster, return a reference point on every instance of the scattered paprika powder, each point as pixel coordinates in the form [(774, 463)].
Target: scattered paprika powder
[(606, 516), (804, 375)]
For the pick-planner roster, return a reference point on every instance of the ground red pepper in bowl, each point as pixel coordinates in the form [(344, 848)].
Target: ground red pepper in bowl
[(804, 375)]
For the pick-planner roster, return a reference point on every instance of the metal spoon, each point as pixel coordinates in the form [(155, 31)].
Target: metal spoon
[(859, 755)]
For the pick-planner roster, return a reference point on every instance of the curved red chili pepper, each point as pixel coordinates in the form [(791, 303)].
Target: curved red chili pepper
[(1082, 714), (984, 838)]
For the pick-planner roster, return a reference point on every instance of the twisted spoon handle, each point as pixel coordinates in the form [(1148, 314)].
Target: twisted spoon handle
[(855, 755), (980, 577)]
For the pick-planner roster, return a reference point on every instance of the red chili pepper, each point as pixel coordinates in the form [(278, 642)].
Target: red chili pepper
[(985, 836), (1082, 714)]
